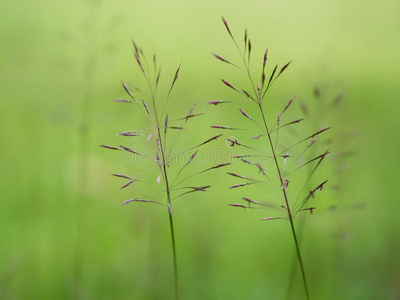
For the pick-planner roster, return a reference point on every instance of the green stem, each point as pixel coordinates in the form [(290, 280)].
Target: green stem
[(171, 225), (287, 204), (174, 252)]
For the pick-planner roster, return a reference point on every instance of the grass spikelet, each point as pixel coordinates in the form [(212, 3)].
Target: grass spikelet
[(147, 109), (245, 114), (127, 90), (121, 176), (230, 86), (123, 101), (109, 147), (221, 58), (216, 102), (226, 26)]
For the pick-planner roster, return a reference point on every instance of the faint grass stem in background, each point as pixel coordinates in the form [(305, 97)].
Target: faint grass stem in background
[(162, 126), (84, 143), (328, 106), (280, 154), (95, 50)]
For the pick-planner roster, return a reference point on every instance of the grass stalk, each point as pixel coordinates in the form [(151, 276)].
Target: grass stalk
[(168, 192), (162, 127), (303, 273), (84, 150), (259, 90)]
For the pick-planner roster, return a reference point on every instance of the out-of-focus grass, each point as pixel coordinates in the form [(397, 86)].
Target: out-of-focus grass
[(224, 253)]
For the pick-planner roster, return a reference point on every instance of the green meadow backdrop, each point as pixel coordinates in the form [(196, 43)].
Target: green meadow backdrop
[(64, 233)]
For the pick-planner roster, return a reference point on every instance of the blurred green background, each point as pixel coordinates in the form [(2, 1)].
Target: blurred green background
[(64, 233)]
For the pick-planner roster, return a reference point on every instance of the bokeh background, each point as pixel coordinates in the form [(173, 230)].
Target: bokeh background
[(64, 233)]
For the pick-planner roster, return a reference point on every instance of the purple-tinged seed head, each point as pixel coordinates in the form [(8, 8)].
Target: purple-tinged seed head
[(238, 205), (159, 144), (272, 75), (318, 132), (321, 186), (322, 130), (147, 108), (127, 90), (245, 114), (135, 47), (237, 185), (121, 176), (246, 161), (311, 209), (219, 127), (265, 58), (261, 169), (200, 188), (176, 75), (210, 139), (191, 109), (215, 102), (220, 165), (295, 121), (122, 101), (249, 46), (128, 133), (127, 149), (312, 142), (285, 183), (128, 184), (158, 76), (285, 157), (174, 80), (250, 201), (109, 147), (220, 58), (235, 175), (228, 84), (284, 68), (158, 160), (138, 61), (127, 201), (192, 157), (246, 93), (234, 142), (141, 51), (226, 25), (290, 103)]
